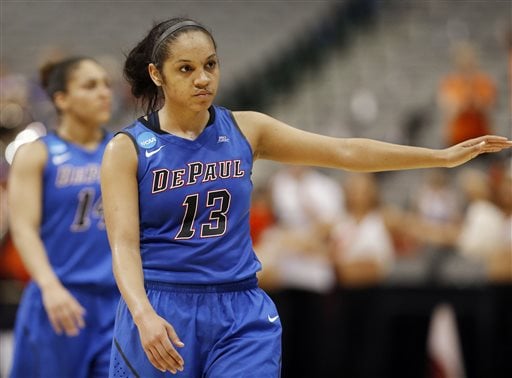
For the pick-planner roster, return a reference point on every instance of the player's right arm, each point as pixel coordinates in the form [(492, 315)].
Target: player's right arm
[(120, 194), (25, 196)]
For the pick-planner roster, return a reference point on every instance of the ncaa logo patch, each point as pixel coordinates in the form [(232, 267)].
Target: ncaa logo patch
[(146, 140), (57, 148)]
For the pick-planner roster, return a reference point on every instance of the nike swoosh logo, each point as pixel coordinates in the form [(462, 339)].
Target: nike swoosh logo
[(151, 153), (59, 159), (272, 319)]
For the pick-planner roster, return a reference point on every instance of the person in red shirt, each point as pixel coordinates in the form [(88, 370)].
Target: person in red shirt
[(466, 97)]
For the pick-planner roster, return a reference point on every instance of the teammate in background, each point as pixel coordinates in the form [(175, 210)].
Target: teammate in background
[(66, 316), (176, 186)]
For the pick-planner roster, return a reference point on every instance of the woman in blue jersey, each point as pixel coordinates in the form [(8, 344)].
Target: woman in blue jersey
[(65, 319), (176, 186)]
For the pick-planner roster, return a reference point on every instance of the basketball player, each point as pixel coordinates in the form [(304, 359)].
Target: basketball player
[(66, 317), (177, 187)]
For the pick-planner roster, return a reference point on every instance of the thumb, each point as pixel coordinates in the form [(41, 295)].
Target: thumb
[(478, 147), (173, 336)]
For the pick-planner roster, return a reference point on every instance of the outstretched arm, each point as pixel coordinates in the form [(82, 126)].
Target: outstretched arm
[(25, 212), (121, 208), (274, 140)]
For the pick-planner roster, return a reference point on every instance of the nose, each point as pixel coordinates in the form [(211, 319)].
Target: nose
[(105, 91), (202, 79)]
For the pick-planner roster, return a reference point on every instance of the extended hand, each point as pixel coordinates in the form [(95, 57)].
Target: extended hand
[(158, 339), (469, 149)]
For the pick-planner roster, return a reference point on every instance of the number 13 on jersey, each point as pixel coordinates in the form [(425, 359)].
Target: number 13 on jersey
[(219, 202)]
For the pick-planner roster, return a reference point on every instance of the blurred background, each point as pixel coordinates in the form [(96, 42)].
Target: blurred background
[(397, 274)]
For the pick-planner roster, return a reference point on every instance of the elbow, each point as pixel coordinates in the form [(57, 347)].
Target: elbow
[(352, 160)]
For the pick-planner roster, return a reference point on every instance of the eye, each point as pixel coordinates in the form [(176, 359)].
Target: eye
[(185, 68), (211, 64), (91, 84)]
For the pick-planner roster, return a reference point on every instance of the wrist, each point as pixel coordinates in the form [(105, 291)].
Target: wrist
[(47, 283), (441, 158), (141, 313)]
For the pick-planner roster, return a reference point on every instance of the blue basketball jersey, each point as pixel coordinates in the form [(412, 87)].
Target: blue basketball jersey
[(72, 226), (194, 200)]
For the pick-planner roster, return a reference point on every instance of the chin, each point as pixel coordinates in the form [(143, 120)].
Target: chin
[(203, 105), (104, 118)]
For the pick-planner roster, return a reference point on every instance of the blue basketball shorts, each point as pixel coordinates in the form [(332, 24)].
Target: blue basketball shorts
[(229, 330), (40, 352)]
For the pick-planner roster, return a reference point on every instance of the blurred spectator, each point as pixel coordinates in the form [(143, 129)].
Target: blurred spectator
[(297, 270), (14, 105), (361, 244), (436, 200), (466, 96), (305, 202), (500, 264), (477, 234), (363, 254), (439, 212), (482, 229), (262, 215)]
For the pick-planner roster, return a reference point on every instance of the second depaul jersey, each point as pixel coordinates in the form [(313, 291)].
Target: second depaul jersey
[(194, 201), (72, 226)]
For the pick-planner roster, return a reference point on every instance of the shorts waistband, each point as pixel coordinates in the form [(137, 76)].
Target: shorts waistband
[(247, 284)]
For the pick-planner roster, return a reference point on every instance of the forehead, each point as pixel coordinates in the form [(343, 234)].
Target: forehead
[(87, 69), (191, 44)]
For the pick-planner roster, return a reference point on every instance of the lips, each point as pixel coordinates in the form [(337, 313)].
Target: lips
[(203, 93)]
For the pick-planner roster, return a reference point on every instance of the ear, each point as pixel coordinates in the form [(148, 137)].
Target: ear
[(60, 100), (155, 74)]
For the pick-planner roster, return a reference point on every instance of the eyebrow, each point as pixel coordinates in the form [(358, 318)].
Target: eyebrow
[(188, 60)]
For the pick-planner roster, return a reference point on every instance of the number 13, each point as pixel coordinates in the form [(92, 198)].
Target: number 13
[(218, 217)]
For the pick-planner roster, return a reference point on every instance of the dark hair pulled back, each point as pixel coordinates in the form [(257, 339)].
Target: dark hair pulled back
[(54, 75), (137, 61)]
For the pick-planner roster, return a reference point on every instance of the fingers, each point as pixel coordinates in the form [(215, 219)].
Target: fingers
[(489, 139), (174, 337), (487, 146), (170, 348), (164, 357), (67, 318), (54, 321), (155, 359), (162, 353), (167, 357)]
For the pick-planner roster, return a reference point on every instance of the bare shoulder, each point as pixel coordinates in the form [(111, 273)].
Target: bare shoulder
[(251, 118), (120, 150), (121, 144), (254, 125), (32, 155)]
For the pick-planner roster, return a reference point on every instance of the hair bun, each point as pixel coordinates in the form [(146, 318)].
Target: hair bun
[(45, 72)]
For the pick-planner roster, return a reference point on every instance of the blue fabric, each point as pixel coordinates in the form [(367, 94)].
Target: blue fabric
[(226, 333), (72, 225), (40, 352), (73, 232), (194, 200)]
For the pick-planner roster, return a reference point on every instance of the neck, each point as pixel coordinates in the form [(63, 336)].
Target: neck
[(79, 133), (360, 213), (185, 123)]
